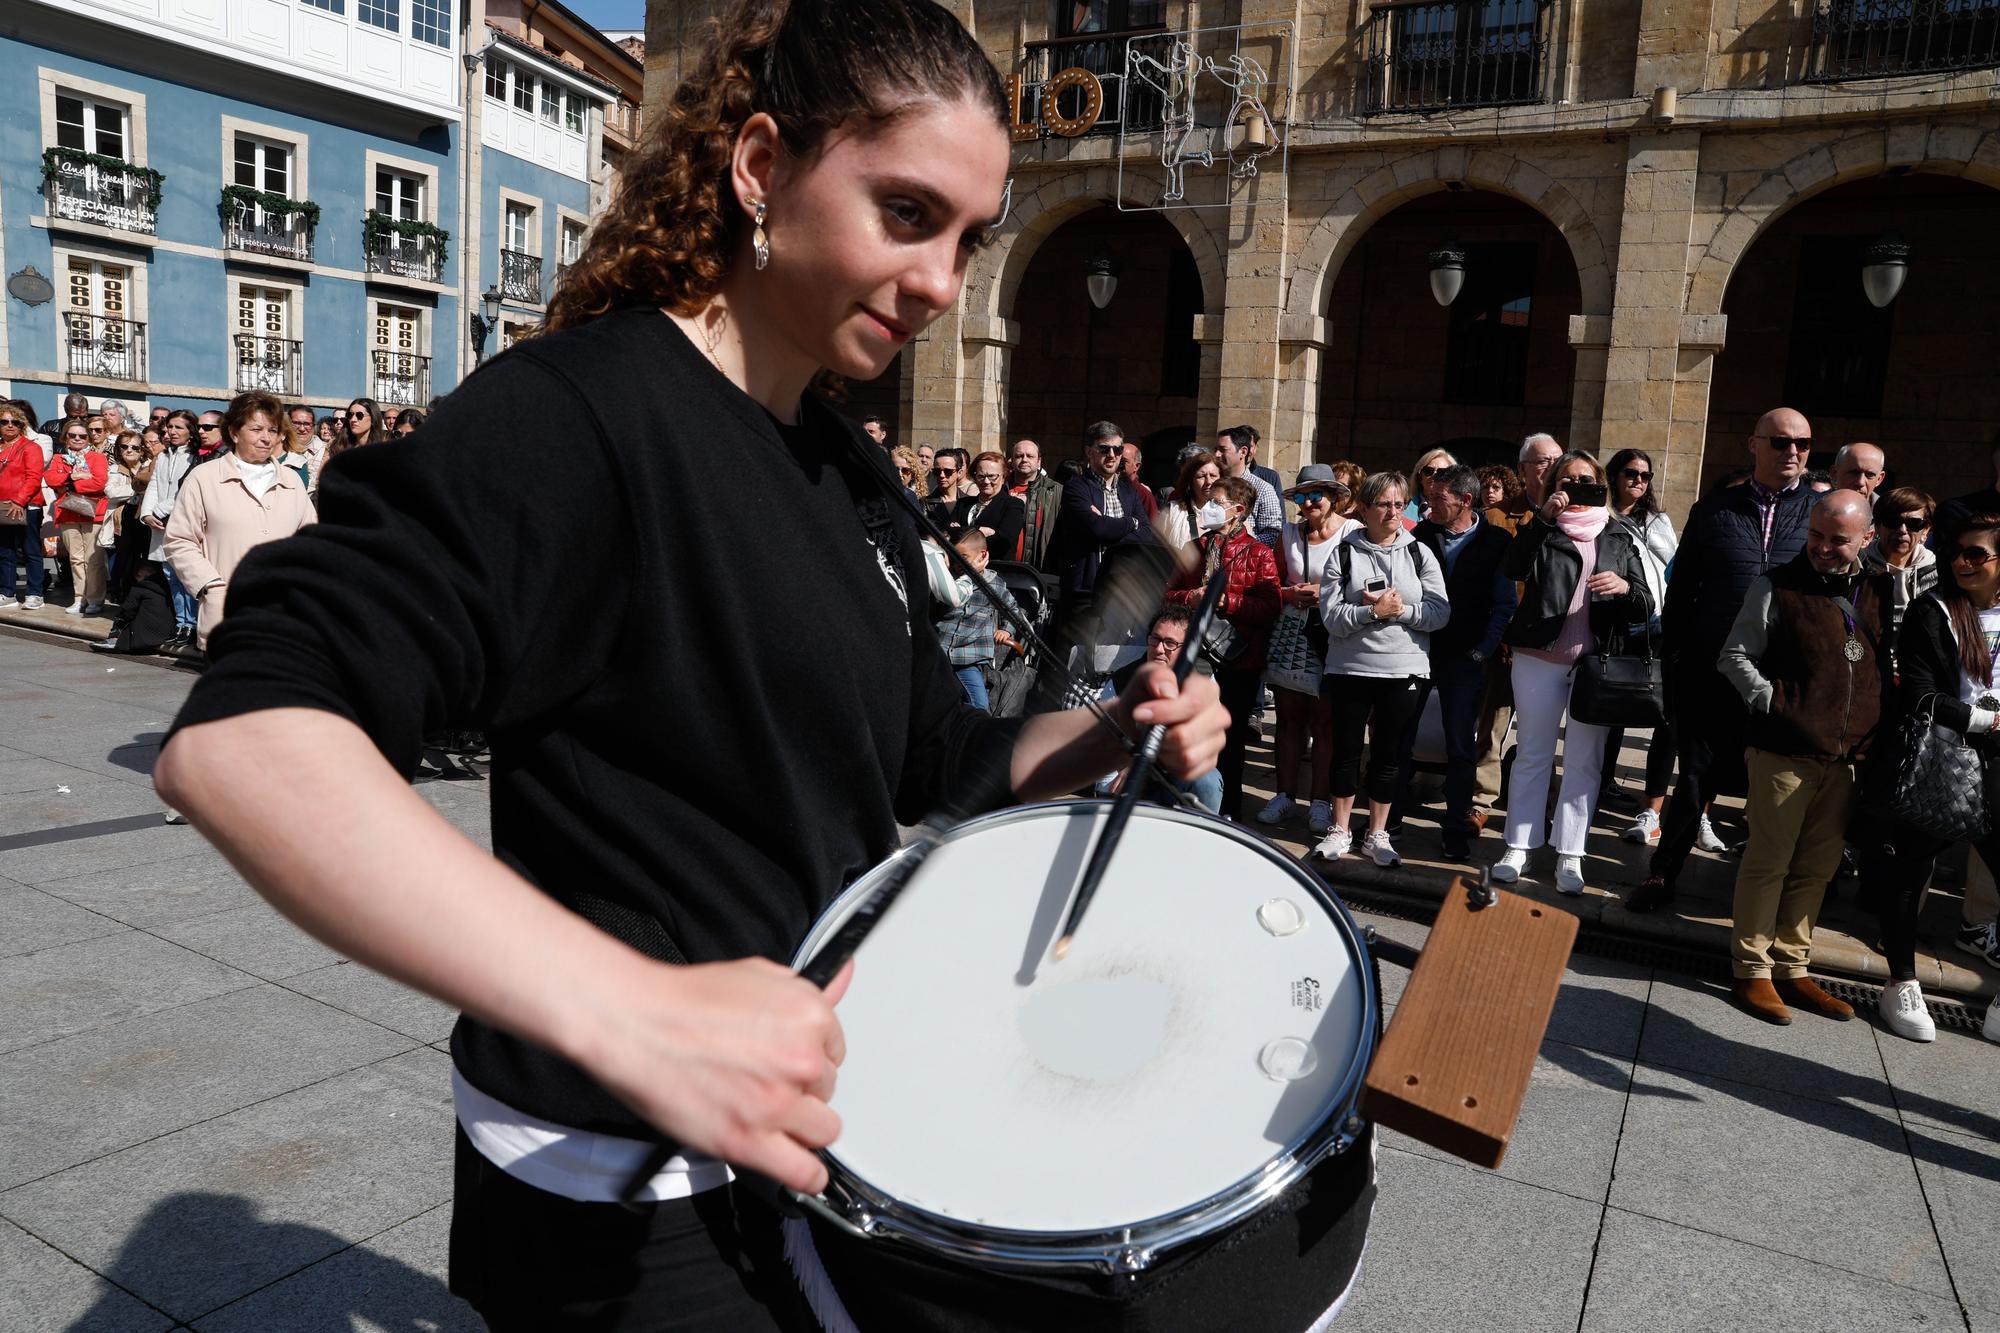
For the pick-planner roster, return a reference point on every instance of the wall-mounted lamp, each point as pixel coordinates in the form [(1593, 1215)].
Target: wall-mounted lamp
[(1447, 265), (481, 323), (1100, 278), (1666, 102), (1884, 265), (1256, 130)]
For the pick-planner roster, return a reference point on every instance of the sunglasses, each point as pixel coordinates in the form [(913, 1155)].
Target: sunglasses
[(13, 421), (1312, 497), (1431, 473), (1801, 444), (1908, 523), (1976, 556), (210, 425), (357, 416), (1634, 474)]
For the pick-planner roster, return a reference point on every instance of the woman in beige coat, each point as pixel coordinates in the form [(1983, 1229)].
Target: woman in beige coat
[(233, 502)]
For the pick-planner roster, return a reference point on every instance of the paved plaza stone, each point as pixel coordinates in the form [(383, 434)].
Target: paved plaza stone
[(214, 1124)]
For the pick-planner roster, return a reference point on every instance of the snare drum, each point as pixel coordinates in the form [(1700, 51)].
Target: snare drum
[(1018, 1131)]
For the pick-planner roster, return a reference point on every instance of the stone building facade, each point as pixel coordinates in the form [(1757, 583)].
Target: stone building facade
[(1663, 204)]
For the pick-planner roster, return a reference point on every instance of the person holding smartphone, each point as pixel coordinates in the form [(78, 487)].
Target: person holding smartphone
[(1582, 578)]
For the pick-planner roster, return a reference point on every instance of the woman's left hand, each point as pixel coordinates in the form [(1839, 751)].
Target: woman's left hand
[(1606, 584), (1192, 712)]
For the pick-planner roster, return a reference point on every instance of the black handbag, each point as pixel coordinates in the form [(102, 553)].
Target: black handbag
[(1618, 690), (1939, 783)]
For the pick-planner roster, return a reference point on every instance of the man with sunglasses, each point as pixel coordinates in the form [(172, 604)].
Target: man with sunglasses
[(1733, 537), (1100, 510)]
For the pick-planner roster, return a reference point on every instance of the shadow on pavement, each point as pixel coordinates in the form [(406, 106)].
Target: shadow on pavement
[(199, 1250), (138, 754)]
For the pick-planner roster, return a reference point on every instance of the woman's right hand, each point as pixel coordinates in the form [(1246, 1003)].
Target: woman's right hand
[(734, 1059), (1557, 502)]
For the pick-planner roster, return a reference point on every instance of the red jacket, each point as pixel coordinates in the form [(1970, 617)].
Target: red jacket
[(1250, 602), (87, 481), (21, 472)]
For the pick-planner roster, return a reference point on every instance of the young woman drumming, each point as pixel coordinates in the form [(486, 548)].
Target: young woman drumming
[(677, 792)]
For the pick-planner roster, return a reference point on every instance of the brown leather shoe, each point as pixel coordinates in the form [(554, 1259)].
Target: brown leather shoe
[(1806, 994), (1653, 894), (1475, 820), (1756, 997)]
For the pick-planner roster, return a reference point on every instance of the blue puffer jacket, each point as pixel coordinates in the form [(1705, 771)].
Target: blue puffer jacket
[(1721, 551)]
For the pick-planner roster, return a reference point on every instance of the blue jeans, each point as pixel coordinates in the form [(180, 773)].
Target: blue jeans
[(185, 606), (22, 542), (972, 679), (1460, 684)]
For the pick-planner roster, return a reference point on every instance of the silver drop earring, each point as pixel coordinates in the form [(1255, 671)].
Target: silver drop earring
[(758, 239)]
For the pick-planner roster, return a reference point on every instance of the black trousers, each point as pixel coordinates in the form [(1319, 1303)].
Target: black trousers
[(1897, 863), (1239, 696), (1381, 706), (1710, 733), (536, 1262)]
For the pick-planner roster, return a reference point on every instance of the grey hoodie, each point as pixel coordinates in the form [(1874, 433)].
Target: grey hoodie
[(1358, 643)]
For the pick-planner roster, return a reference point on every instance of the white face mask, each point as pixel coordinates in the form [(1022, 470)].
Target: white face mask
[(1212, 516)]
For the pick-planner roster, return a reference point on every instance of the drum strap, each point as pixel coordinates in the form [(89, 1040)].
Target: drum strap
[(639, 929)]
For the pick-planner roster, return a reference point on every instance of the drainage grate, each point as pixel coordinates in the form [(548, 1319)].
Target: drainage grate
[(1598, 943)]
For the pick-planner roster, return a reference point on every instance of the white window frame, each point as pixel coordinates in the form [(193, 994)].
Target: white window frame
[(498, 70), (423, 341), (536, 221), (51, 80), (297, 144), (409, 167), (137, 285), (566, 218), (295, 313)]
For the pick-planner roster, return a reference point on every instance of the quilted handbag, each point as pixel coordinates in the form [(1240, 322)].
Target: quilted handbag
[(1939, 785), (1292, 662)]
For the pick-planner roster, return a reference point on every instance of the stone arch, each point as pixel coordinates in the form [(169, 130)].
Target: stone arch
[(996, 277), (1941, 149), (1349, 217)]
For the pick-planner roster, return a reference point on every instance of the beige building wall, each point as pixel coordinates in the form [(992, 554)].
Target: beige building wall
[(1655, 215)]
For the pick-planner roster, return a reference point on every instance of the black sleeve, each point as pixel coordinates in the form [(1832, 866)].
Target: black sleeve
[(1527, 544), (1007, 516), (436, 590), (1925, 664)]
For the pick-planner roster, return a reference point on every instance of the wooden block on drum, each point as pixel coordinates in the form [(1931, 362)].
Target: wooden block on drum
[(1455, 1063)]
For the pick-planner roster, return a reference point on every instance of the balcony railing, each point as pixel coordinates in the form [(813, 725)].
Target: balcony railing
[(1873, 39), (1103, 54), (419, 257), (1436, 56), (120, 196), (270, 364), (104, 348), (521, 277), (400, 379), (262, 231)]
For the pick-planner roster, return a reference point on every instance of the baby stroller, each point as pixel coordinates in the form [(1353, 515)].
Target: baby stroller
[(1015, 673)]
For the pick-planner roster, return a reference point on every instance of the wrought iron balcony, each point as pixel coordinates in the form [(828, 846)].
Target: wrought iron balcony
[(104, 348), (120, 196), (521, 277), (398, 256), (262, 231), (270, 364), (399, 379), (1103, 54), (1437, 55), (1874, 39)]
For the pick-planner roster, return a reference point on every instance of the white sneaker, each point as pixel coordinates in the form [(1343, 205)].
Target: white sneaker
[(1645, 828), (1569, 875), (1319, 818), (174, 816), (1990, 1029), (1336, 844), (1705, 838), (1902, 1008), (1378, 846), (1509, 867), (7, 602), (31, 604), (75, 608), (1276, 810)]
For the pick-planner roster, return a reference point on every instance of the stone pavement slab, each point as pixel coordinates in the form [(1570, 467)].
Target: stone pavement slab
[(37, 920), (157, 893), (1961, 1178), (100, 982), (1656, 1276), (94, 798), (394, 1281), (80, 856), (196, 1219), (71, 1100), (255, 938), (1818, 1180), (1602, 1005), (1693, 1026), (368, 994), (1452, 1247), (42, 1288), (32, 773), (1947, 1084)]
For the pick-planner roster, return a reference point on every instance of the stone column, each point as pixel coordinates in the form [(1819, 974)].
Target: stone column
[(934, 357), (1293, 440), (1590, 335), (987, 345)]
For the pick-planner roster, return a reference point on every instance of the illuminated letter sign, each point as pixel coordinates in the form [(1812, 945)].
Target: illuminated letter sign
[(1093, 102)]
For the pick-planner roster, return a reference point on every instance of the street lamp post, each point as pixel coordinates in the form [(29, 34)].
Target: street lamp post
[(1447, 265), (1884, 265), (481, 323)]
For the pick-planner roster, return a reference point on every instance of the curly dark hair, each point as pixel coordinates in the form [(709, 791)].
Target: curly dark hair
[(812, 66)]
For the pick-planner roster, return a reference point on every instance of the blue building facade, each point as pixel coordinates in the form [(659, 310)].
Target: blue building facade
[(288, 195)]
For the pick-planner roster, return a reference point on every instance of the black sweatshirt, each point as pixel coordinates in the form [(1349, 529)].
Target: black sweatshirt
[(707, 703)]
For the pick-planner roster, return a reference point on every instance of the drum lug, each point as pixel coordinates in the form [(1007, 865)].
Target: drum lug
[(1132, 1259), (1368, 934)]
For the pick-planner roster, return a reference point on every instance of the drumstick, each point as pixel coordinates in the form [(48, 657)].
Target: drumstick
[(820, 970), (1142, 767)]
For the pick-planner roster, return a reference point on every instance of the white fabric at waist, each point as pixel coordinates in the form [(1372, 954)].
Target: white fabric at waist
[(574, 1163)]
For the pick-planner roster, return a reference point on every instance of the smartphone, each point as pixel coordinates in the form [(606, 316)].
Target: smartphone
[(1585, 492), (1378, 585)]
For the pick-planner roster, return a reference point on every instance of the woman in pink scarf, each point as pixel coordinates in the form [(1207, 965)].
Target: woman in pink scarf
[(1582, 579)]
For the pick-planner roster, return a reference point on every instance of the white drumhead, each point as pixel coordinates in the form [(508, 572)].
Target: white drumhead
[(1208, 1016)]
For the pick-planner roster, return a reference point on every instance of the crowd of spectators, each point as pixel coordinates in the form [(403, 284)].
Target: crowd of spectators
[(1801, 618)]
